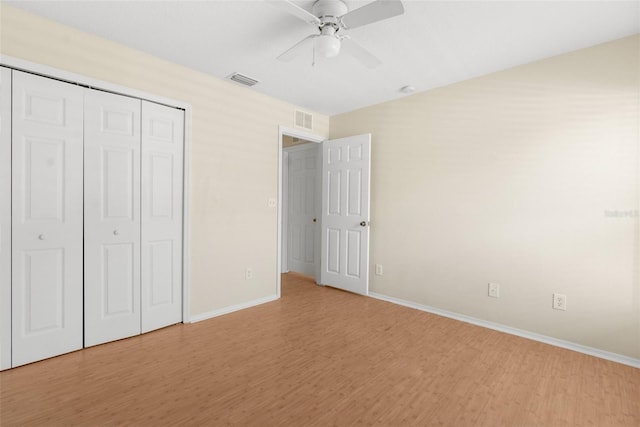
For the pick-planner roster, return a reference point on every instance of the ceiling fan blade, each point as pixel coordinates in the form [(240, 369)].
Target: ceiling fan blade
[(295, 10), (358, 52), (372, 12), (297, 48)]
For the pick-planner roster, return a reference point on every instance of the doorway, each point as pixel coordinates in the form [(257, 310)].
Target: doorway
[(299, 199), (341, 224), (301, 206)]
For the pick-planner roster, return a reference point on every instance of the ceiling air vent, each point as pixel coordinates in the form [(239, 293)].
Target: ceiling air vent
[(304, 120), (242, 79)]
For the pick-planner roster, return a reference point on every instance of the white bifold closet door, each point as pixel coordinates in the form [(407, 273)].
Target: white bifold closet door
[(46, 286), (133, 216), (161, 275), (111, 217)]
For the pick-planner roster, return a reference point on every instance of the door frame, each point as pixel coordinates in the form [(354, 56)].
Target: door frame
[(296, 133), (69, 77), (284, 262)]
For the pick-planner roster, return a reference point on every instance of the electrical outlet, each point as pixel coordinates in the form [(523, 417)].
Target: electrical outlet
[(271, 202), (559, 301), (494, 290), (378, 269), (248, 274)]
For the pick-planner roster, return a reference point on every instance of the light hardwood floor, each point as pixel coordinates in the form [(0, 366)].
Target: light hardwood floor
[(322, 357)]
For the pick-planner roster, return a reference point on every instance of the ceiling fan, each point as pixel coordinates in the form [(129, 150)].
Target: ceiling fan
[(332, 18)]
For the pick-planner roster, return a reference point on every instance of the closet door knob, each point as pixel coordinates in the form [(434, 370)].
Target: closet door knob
[(41, 237), (116, 232)]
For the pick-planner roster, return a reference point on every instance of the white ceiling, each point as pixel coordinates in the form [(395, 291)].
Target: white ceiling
[(433, 44)]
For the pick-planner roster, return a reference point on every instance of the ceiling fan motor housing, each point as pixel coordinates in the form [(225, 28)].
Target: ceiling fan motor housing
[(328, 11)]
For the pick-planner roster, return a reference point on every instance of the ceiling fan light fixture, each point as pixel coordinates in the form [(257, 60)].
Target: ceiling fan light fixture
[(328, 46), (331, 16)]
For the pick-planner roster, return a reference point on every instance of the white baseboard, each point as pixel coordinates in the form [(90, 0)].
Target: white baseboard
[(614, 357), (231, 309)]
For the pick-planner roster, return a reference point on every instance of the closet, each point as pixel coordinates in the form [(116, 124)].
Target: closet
[(91, 202)]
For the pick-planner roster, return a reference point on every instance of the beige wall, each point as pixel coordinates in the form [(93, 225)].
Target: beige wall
[(234, 151), (504, 178), (510, 178)]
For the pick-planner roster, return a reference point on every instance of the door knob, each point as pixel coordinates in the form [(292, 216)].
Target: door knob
[(41, 237), (363, 224), (315, 220), (116, 232)]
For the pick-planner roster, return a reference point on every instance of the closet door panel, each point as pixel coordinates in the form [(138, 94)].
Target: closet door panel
[(5, 218), (162, 154), (112, 217), (47, 150)]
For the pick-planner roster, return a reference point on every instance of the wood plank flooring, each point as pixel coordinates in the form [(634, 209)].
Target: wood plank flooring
[(322, 357)]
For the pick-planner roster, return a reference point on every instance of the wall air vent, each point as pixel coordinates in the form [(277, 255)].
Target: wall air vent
[(303, 120), (242, 79)]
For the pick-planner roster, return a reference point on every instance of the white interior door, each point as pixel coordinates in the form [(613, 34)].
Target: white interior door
[(46, 218), (5, 218), (303, 209), (346, 167), (111, 217), (162, 152)]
